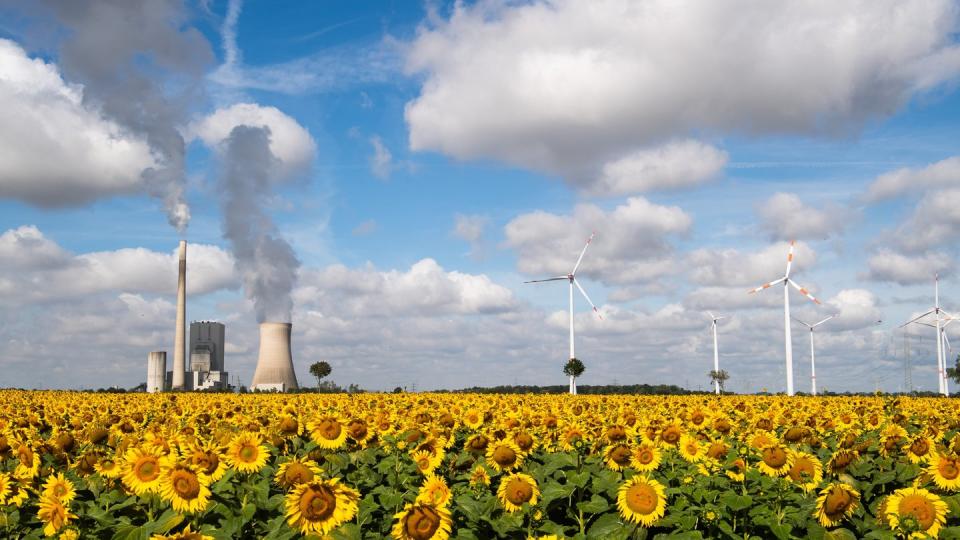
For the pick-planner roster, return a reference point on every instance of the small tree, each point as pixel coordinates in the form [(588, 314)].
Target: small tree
[(573, 369), (954, 372), (320, 370), (719, 377)]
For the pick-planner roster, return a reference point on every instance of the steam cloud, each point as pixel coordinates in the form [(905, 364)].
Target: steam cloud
[(265, 261), (126, 53)]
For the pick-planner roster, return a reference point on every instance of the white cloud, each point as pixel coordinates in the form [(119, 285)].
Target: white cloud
[(732, 267), (471, 229), (855, 308), (888, 265), (569, 85), (290, 143), (381, 162), (945, 173), (55, 150), (676, 165), (934, 224), (631, 245), (788, 218)]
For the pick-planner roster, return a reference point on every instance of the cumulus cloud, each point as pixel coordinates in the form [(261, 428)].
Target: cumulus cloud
[(632, 243), (945, 173), (568, 86), (55, 149), (732, 267), (676, 165), (855, 309), (471, 229), (788, 218), (935, 222), (290, 143), (889, 265), (425, 289), (37, 269)]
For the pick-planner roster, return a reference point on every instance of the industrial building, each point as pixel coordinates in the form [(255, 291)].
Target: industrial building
[(207, 340)]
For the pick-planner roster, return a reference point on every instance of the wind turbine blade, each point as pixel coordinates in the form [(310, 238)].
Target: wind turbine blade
[(710, 313), (825, 320), (584, 293), (801, 322), (947, 341), (580, 259), (917, 318), (924, 323), (790, 258), (558, 278), (803, 291), (766, 286)]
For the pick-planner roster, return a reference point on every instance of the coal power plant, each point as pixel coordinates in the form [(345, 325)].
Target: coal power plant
[(201, 365)]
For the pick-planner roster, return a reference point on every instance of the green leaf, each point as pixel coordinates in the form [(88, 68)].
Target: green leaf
[(839, 534), (347, 531), (553, 491), (596, 505), (736, 502), (605, 526), (578, 479)]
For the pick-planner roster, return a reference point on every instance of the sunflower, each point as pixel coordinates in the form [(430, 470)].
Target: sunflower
[(690, 448), (646, 457), (736, 471), (641, 500), (319, 507), (28, 464), (295, 472), (517, 489), (426, 461), (916, 511), (473, 418), (16, 492), (358, 430), (185, 534), (920, 449), (836, 502), (207, 459), (5, 487), (840, 460), (479, 476), (246, 453), (525, 441), (108, 467), (434, 492), (328, 432), (504, 455), (60, 488), (54, 515), (671, 434), (945, 470), (806, 471), (422, 522), (617, 456), (141, 470), (775, 460), (186, 488)]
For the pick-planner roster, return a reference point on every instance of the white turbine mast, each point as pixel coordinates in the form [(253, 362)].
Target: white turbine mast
[(572, 279), (716, 352), (813, 356), (788, 344), (939, 324)]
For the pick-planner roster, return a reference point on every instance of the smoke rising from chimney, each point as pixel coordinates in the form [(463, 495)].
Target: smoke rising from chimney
[(265, 261), (142, 66)]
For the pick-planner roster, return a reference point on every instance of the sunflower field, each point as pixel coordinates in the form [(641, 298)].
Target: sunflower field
[(439, 466)]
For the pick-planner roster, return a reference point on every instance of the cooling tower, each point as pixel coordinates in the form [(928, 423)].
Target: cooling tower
[(156, 371), (275, 363), (179, 341)]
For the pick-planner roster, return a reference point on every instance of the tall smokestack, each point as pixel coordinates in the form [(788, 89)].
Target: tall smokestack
[(179, 341), (275, 363)]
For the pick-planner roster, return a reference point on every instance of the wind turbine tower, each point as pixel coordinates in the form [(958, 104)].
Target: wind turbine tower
[(787, 282), (813, 356), (572, 279), (938, 325), (716, 352)]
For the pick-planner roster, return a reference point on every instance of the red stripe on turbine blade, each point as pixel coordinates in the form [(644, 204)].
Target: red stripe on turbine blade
[(790, 257), (803, 291), (767, 286)]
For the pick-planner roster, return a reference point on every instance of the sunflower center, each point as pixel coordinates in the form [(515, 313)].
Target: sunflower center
[(478, 443), (524, 441), (948, 469), (247, 453), (297, 473), (802, 470), (620, 455), (671, 435), (717, 450), (146, 469), (318, 503), (504, 456), (518, 491), (645, 456), (837, 502), (107, 464), (186, 485), (422, 522), (775, 457), (330, 429), (59, 490), (641, 499), (919, 447), (289, 425), (920, 508), (358, 430)]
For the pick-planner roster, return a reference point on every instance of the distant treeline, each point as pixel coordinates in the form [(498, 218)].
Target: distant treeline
[(659, 389)]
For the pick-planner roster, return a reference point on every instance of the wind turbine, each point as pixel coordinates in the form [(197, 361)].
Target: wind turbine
[(716, 353), (941, 362), (788, 343), (813, 362), (572, 279), (945, 347)]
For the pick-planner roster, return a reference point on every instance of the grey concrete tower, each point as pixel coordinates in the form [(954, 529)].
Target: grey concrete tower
[(179, 340), (156, 371), (275, 363)]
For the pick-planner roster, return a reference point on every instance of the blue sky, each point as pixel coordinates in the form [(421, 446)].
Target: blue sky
[(428, 158)]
